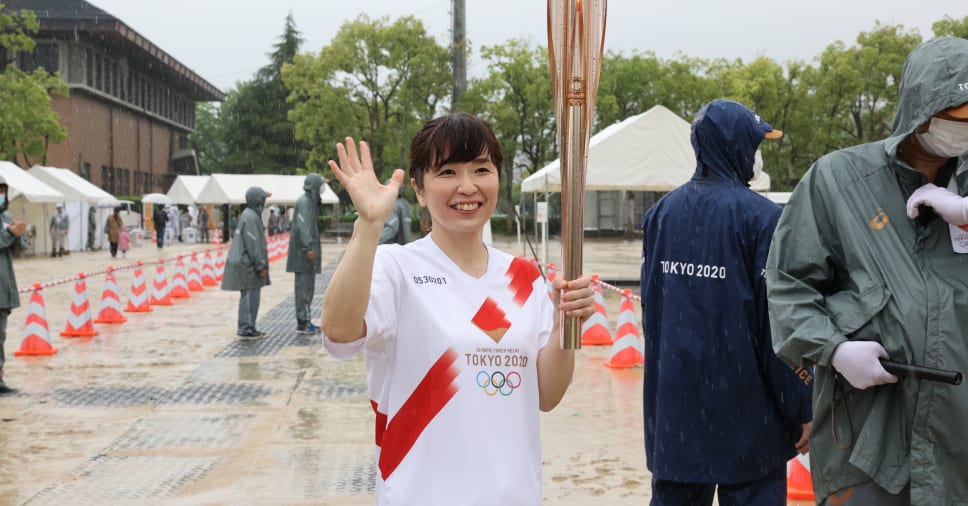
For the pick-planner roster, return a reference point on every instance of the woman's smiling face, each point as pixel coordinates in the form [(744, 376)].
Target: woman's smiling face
[(460, 196)]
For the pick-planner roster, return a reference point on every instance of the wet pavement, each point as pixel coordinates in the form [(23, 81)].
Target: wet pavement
[(171, 408)]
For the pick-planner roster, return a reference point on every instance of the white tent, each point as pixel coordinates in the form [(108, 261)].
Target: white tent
[(32, 201), (647, 152), (186, 189), (230, 189), (80, 195)]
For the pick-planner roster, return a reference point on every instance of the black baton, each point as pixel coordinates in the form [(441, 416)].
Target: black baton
[(922, 373)]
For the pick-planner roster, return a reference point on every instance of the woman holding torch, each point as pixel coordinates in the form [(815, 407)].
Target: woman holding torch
[(457, 335)]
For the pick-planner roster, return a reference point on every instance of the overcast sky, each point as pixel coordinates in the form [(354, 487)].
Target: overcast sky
[(226, 41)]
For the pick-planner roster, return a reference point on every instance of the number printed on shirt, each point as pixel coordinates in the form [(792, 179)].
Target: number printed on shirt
[(433, 280), (691, 269)]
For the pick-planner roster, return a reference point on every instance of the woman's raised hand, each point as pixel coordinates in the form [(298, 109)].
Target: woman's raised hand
[(373, 201)]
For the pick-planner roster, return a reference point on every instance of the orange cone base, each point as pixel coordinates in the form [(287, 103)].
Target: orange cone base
[(132, 309), (625, 359), (799, 484), (78, 333), (596, 336), (118, 318), (34, 346), (209, 282), (179, 295)]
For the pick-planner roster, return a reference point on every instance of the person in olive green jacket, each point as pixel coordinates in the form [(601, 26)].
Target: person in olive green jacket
[(9, 298), (305, 258), (852, 280), (247, 264)]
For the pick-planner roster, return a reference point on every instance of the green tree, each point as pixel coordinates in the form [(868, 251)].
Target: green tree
[(627, 86), (516, 99), (951, 26), (27, 122), (258, 135), (208, 139), (858, 85), (376, 80)]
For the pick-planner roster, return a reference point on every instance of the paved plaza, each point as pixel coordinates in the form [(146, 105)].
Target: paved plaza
[(171, 408)]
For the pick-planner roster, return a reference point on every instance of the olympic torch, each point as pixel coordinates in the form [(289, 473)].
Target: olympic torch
[(576, 35)]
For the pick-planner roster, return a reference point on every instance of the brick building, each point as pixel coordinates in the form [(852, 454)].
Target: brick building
[(131, 105)]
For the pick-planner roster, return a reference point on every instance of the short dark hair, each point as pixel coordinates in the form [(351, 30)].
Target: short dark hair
[(455, 137)]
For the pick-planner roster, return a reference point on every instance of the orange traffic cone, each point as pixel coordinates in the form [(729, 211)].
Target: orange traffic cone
[(208, 270), (626, 352), (79, 322), (110, 310), (194, 276), (36, 339), (799, 482), (179, 286), (595, 330), (272, 251), (159, 290), (285, 245), (138, 298), (220, 264)]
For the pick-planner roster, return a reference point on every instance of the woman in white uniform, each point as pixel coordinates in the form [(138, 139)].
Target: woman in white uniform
[(460, 339)]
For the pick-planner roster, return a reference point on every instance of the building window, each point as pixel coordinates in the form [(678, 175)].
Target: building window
[(98, 72), (115, 80), (85, 171), (44, 56), (89, 64)]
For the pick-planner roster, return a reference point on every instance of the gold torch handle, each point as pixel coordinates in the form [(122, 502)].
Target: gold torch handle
[(576, 34)]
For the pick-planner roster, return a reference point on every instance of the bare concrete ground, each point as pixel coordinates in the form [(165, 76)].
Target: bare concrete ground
[(169, 408)]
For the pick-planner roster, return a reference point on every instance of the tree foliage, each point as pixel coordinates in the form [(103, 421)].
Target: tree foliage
[(257, 134), (378, 81), (208, 139), (952, 27), (27, 122)]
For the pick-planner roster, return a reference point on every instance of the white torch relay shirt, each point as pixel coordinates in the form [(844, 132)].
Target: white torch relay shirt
[(451, 364)]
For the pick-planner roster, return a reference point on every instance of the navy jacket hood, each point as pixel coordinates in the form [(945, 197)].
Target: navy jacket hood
[(725, 136)]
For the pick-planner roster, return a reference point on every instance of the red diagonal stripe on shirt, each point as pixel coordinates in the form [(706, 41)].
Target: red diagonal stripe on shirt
[(522, 274), (433, 393)]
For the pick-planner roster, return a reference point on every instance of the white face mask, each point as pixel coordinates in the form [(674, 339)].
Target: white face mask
[(945, 138)]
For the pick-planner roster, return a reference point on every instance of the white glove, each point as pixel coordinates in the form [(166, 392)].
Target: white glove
[(857, 362), (950, 207)]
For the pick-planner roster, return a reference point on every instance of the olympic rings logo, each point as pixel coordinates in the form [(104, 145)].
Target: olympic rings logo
[(498, 382)]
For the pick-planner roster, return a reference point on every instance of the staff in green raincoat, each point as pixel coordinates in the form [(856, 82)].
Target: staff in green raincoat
[(305, 255), (852, 280), (247, 264), (9, 298)]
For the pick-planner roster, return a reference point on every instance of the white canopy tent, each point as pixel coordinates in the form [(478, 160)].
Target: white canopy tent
[(80, 196), (647, 152), (186, 189), (285, 190), (32, 201)]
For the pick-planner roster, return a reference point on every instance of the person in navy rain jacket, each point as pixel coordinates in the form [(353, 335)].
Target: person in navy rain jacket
[(720, 408)]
